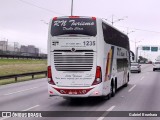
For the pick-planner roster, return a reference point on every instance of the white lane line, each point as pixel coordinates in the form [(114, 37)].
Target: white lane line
[(142, 78), (31, 108), (21, 91), (21, 110), (111, 108), (131, 88), (105, 114)]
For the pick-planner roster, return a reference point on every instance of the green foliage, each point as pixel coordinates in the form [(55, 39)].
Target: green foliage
[(142, 59)]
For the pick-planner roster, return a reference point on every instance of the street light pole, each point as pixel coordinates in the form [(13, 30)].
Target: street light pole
[(113, 21), (72, 8), (136, 50), (128, 32)]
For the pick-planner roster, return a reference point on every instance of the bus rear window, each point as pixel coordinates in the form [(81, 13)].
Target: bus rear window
[(81, 26)]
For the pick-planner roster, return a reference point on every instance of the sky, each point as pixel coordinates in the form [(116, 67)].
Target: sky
[(24, 21)]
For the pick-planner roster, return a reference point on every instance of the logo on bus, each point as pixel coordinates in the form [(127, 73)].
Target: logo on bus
[(55, 43), (73, 49)]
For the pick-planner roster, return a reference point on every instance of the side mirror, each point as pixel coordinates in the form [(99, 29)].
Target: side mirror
[(132, 56)]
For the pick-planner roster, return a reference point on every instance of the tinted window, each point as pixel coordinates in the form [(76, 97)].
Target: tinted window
[(134, 64), (122, 64), (83, 26), (114, 37), (157, 63)]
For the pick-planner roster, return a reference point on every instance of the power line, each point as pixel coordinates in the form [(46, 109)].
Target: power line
[(40, 7), (141, 29)]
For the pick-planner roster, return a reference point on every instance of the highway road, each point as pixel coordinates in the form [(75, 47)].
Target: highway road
[(142, 94)]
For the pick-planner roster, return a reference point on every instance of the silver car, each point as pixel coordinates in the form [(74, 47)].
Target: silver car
[(156, 66), (135, 67)]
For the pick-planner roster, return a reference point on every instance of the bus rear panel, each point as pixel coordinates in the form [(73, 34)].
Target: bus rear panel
[(72, 67), (86, 57)]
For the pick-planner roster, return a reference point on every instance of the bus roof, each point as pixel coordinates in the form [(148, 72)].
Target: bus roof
[(54, 18), (114, 27)]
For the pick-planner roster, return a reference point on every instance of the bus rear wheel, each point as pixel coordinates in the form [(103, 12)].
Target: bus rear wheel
[(107, 97), (113, 89), (126, 84)]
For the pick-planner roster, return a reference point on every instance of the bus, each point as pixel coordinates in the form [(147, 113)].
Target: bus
[(86, 57)]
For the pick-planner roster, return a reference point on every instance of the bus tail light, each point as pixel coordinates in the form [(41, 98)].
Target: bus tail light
[(49, 74), (55, 18), (74, 17), (98, 77), (93, 18)]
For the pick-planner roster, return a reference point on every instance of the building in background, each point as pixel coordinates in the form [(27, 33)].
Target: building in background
[(33, 51), (24, 50), (37, 52), (14, 48), (152, 53), (29, 50), (3, 45)]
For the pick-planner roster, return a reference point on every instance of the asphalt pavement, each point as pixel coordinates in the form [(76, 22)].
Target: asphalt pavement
[(141, 94)]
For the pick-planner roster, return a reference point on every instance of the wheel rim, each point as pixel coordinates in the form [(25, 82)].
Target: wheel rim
[(113, 90)]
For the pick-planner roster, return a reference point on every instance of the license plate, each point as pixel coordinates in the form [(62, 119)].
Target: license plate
[(73, 93)]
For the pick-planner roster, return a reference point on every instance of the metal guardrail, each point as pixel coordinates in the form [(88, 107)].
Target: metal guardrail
[(23, 75)]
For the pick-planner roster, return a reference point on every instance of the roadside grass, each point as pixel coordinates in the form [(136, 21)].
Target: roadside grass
[(5, 61), (19, 66)]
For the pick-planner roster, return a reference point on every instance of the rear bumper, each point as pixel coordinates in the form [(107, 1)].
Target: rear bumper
[(95, 90), (134, 70), (156, 68)]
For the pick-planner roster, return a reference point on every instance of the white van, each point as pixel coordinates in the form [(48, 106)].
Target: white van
[(156, 65)]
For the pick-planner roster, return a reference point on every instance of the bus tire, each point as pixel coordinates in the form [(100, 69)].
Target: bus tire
[(126, 84), (113, 89), (107, 97), (115, 83)]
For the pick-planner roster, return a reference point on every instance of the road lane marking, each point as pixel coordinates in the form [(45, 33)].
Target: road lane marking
[(105, 114), (131, 88), (31, 108), (142, 78), (21, 91)]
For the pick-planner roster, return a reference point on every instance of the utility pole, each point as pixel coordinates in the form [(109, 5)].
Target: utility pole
[(7, 45), (136, 50), (113, 21), (72, 8), (128, 32)]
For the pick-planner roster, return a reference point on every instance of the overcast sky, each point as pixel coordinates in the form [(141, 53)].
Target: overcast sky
[(23, 20)]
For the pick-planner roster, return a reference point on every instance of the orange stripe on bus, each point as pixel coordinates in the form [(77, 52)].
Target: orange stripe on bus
[(108, 66)]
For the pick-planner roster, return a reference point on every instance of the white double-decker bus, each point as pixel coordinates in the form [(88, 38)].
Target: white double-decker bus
[(86, 57)]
